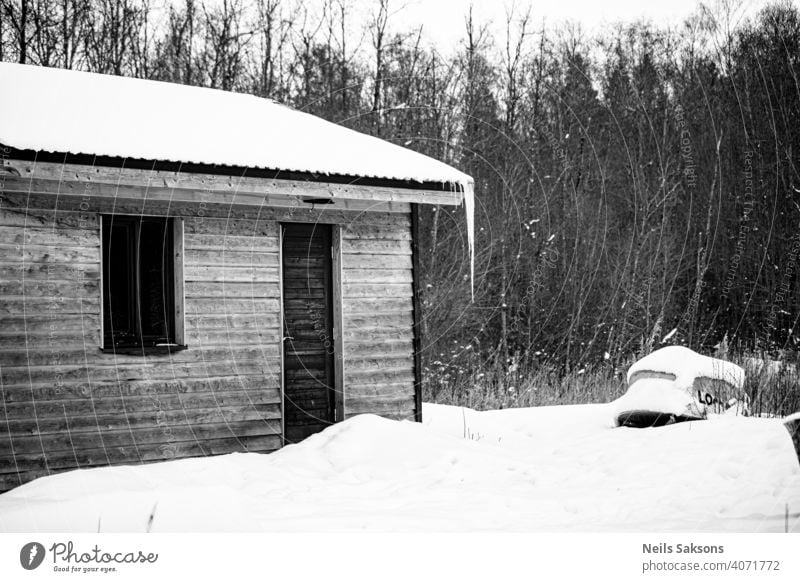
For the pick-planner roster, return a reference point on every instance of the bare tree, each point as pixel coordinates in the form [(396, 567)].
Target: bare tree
[(225, 40), (17, 15), (303, 43), (273, 25), (378, 28), (174, 49), (73, 22), (515, 49), (111, 35)]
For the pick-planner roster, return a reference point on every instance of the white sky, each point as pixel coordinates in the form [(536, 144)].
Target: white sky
[(443, 20), (443, 25)]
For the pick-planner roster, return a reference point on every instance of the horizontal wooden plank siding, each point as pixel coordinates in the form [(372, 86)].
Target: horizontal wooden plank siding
[(66, 404), (378, 318), (71, 205), (176, 185)]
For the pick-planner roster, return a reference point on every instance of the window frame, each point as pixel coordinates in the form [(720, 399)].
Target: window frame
[(175, 281)]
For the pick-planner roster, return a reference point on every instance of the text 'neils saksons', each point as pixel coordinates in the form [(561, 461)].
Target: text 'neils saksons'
[(663, 548)]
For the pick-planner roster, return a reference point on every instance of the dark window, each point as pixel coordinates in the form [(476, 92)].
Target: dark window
[(138, 282)]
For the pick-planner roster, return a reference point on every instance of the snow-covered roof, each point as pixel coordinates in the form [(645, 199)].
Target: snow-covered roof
[(65, 111), (686, 365)]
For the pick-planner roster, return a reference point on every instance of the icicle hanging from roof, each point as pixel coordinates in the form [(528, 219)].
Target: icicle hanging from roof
[(469, 209)]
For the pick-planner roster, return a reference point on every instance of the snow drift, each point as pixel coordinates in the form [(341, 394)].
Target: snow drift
[(562, 468)]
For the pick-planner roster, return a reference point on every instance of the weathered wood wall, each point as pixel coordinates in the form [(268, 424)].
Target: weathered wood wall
[(378, 318), (65, 404)]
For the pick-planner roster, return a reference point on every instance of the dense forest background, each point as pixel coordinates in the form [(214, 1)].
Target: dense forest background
[(636, 187)]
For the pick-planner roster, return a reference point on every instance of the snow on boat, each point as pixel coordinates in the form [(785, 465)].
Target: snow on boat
[(676, 384)]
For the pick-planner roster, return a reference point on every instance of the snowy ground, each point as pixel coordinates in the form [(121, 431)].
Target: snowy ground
[(539, 469)]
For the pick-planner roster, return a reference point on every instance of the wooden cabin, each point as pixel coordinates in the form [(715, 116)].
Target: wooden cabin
[(190, 272)]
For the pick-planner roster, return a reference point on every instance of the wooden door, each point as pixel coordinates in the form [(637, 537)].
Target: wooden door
[(308, 348)]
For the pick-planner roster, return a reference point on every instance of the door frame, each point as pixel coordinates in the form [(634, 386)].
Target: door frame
[(337, 325)]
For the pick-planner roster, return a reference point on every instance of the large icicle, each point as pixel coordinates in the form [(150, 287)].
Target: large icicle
[(469, 208)]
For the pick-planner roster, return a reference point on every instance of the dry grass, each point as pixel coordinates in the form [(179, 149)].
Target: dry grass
[(492, 387), (773, 386)]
